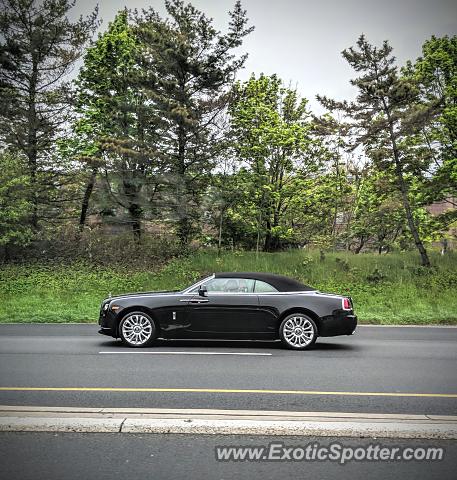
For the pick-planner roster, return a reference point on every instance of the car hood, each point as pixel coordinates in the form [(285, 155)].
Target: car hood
[(141, 294)]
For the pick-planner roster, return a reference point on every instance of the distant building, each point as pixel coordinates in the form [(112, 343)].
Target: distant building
[(438, 208)]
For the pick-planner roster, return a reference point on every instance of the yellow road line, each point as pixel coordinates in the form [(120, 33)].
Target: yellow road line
[(224, 390)]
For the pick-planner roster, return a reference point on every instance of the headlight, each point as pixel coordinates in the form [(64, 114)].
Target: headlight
[(106, 306)]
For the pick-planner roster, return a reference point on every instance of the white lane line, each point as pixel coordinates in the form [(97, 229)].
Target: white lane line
[(193, 353)]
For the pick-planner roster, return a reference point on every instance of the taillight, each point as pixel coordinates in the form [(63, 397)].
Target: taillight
[(347, 304)]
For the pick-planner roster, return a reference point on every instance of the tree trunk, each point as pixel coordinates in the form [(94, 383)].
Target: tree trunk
[(359, 246), (444, 246), (184, 223), (135, 220), (272, 242), (131, 191), (219, 243), (31, 148), (381, 242), (86, 198), (268, 238), (257, 246), (33, 192), (184, 230), (425, 261)]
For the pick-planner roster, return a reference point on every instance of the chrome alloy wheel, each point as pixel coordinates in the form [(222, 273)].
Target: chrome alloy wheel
[(137, 329), (298, 331)]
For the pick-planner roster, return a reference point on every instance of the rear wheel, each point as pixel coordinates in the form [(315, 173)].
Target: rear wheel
[(137, 329), (298, 331)]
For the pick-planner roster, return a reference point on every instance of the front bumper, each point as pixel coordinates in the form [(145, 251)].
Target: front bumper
[(108, 323)]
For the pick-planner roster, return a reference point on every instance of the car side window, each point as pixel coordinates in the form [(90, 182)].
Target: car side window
[(216, 285), (229, 285), (263, 287)]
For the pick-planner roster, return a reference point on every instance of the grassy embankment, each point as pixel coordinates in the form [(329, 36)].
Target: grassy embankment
[(387, 289)]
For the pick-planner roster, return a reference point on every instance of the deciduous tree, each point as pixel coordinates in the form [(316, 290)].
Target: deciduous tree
[(271, 131)]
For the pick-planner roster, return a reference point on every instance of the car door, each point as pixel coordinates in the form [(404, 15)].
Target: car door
[(229, 309)]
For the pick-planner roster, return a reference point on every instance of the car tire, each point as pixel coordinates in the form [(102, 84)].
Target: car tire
[(298, 331), (137, 329)]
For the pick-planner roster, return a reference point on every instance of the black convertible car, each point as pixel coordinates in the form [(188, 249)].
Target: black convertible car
[(248, 306)]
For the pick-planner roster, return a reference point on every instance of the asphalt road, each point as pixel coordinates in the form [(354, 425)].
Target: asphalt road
[(339, 374), (106, 456)]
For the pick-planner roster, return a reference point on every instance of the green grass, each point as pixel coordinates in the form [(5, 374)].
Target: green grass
[(387, 289)]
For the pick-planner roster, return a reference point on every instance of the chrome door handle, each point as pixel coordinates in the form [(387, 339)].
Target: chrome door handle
[(198, 301)]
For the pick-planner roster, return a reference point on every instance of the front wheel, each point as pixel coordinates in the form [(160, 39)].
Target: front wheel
[(298, 331), (137, 329)]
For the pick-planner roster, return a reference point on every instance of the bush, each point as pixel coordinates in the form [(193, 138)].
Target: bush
[(376, 276), (100, 248)]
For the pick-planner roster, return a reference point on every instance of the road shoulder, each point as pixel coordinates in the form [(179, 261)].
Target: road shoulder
[(225, 422)]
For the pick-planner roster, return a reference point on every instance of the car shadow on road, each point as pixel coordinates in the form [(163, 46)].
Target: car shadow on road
[(239, 344)]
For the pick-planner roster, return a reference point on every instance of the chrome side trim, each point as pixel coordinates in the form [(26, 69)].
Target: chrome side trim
[(261, 293)]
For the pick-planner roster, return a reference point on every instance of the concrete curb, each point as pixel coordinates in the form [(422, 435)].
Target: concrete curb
[(267, 427), (64, 425), (225, 422)]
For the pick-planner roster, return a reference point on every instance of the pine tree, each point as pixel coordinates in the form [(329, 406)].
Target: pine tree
[(39, 46), (191, 67), (383, 115)]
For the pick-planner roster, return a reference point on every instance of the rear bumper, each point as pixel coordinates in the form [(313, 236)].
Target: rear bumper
[(106, 331), (342, 323)]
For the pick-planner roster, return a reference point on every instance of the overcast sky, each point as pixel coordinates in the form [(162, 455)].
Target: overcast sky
[(302, 40)]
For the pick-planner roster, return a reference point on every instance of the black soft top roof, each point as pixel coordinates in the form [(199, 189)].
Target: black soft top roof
[(281, 283)]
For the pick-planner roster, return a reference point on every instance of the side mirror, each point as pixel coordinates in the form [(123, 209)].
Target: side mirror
[(202, 291)]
